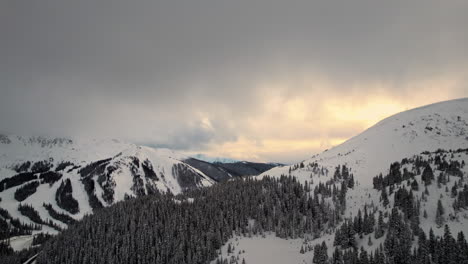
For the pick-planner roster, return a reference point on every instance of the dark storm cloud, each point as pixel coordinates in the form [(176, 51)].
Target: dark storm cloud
[(152, 71)]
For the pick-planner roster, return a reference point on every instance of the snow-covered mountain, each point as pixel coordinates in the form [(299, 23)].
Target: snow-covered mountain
[(64, 179), (389, 193), (441, 125), (210, 159), (388, 161), (97, 173)]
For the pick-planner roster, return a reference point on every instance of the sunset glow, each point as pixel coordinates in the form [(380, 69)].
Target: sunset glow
[(312, 119), (286, 81)]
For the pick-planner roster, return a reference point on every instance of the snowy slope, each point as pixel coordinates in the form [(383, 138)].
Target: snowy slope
[(417, 133), (271, 249), (423, 134), (441, 125), (123, 170)]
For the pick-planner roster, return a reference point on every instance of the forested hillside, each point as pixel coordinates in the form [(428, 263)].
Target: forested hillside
[(60, 180), (396, 194), (417, 213)]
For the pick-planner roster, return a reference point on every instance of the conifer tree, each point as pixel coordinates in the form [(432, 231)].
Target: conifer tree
[(384, 197), (440, 214), (427, 175)]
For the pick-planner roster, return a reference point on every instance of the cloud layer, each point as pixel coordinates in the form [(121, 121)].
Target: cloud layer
[(259, 79)]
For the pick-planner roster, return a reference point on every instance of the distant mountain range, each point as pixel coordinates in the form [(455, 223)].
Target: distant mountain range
[(209, 159), (396, 193), (97, 173)]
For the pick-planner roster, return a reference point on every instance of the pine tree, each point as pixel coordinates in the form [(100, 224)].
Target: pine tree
[(337, 257), (454, 190), (351, 182), (379, 232), (384, 197), (398, 241), (439, 214), (320, 254), (423, 250), (363, 258), (448, 247), (427, 175), (414, 185), (358, 223), (462, 249), (432, 242)]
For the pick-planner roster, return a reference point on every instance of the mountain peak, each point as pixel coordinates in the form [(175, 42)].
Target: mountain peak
[(427, 128)]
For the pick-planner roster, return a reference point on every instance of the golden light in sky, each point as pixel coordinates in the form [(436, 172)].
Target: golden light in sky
[(269, 81), (320, 116)]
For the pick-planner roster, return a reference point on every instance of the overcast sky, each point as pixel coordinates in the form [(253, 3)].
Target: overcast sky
[(263, 80)]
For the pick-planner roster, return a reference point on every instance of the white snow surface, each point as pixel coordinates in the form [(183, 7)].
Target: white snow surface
[(428, 128), (437, 126), (269, 249), (19, 243), (17, 149)]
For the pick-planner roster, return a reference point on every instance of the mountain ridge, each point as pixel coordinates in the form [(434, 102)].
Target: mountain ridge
[(426, 128), (94, 173), (384, 196)]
